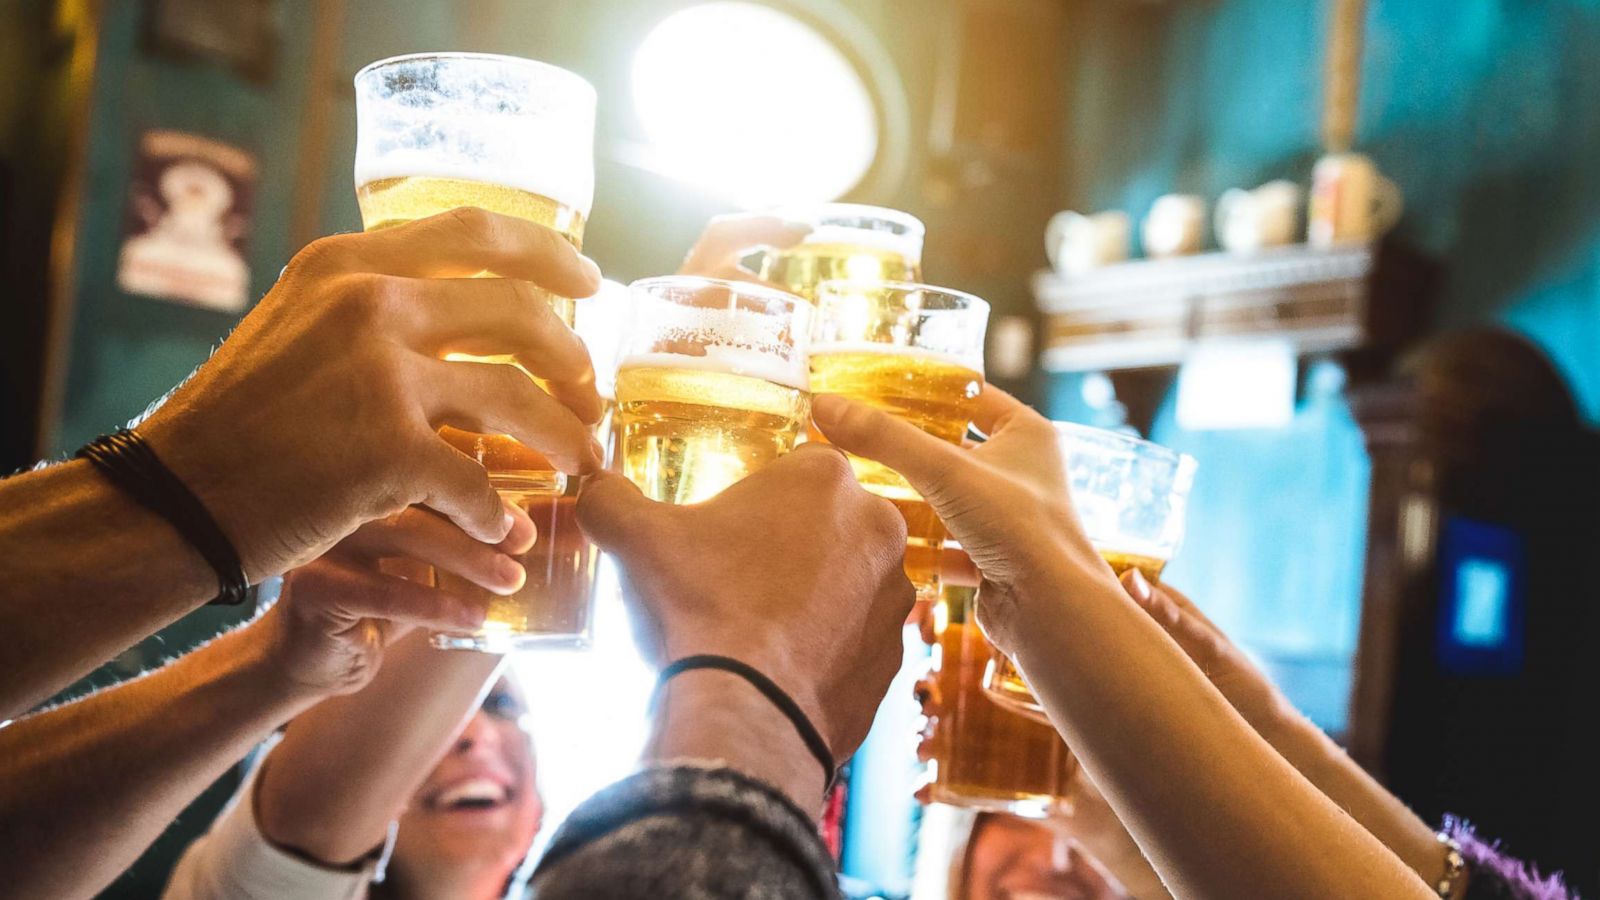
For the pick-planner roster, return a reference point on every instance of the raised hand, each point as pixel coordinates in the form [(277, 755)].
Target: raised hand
[(320, 411)]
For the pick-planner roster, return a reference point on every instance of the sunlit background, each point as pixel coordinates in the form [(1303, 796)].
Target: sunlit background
[(752, 105)]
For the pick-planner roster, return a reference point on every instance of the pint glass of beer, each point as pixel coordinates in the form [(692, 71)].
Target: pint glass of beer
[(847, 241), (1130, 495), (915, 352), (985, 756), (439, 131), (711, 383), (555, 607)]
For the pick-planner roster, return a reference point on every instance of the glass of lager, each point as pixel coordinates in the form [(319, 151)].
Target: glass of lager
[(915, 352), (438, 131), (711, 383), (985, 756), (555, 607), (847, 241), (1130, 496)]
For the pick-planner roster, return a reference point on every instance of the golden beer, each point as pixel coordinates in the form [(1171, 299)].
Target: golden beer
[(985, 757), (712, 383), (689, 427), (800, 269), (848, 242), (386, 202), (1004, 683), (442, 131), (933, 392), (555, 604), (395, 201)]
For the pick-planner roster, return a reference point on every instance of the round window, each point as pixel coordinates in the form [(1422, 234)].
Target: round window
[(753, 105)]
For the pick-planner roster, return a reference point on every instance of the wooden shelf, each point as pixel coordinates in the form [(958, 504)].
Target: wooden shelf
[(1148, 313)]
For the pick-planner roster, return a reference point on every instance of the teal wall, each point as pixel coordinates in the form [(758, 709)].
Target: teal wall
[(126, 351), (1487, 115)]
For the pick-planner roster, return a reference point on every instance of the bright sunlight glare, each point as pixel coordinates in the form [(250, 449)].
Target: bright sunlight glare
[(753, 105)]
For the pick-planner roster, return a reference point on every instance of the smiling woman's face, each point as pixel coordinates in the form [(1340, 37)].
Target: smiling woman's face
[(480, 807)]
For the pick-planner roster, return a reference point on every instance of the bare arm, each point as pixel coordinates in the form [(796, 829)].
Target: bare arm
[(98, 779), (715, 716), (89, 785), (795, 571), (1300, 741), (67, 534), (349, 343), (1218, 812), (347, 767)]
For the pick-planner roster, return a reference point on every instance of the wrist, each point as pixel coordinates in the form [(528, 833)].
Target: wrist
[(211, 479), (712, 715), (1057, 579)]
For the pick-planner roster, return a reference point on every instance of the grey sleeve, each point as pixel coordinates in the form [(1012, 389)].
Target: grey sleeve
[(687, 831)]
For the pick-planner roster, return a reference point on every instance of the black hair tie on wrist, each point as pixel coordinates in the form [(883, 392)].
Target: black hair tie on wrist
[(129, 463), (769, 689)]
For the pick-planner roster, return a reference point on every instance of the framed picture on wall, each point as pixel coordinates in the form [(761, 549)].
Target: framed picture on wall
[(239, 34), (189, 213)]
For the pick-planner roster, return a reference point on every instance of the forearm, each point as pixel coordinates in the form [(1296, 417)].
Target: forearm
[(87, 572), (715, 716), (1349, 786), (728, 799), (1215, 808), (89, 785), (346, 768)]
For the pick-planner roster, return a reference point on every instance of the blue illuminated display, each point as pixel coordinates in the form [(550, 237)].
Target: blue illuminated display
[(1480, 626)]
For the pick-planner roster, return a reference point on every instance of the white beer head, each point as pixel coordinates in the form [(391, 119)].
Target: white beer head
[(715, 325), (477, 117), (859, 225), (901, 317)]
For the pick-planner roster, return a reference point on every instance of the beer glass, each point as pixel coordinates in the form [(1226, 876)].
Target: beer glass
[(711, 383), (984, 756), (555, 607), (1130, 496), (847, 241), (438, 131), (915, 352)]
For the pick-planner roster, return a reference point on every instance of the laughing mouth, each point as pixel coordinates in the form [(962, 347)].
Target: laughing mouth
[(472, 794)]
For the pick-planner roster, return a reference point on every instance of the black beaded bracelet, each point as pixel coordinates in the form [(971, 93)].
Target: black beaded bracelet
[(129, 463), (808, 732)]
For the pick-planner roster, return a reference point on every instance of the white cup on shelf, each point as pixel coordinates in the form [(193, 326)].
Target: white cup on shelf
[(1076, 243), (1248, 220)]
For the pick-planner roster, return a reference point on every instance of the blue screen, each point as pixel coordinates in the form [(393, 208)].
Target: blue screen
[(1481, 612)]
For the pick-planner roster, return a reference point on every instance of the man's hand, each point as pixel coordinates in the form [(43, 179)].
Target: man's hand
[(1005, 500), (320, 411), (327, 634), (795, 570)]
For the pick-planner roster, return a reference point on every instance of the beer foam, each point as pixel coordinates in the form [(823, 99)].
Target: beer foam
[(938, 356), (732, 360), (906, 245), (569, 182)]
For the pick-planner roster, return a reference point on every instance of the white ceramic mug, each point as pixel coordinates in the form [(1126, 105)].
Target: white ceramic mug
[(1350, 200), (1175, 226), (1076, 243), (1265, 217)]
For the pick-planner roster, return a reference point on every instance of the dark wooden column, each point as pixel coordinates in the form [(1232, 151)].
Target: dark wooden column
[(1400, 523)]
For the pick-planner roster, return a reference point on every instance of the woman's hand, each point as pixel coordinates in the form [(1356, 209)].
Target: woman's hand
[(1005, 500)]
